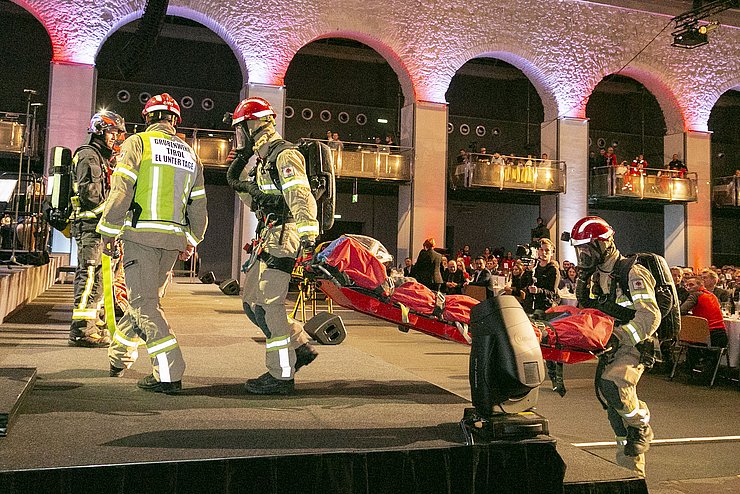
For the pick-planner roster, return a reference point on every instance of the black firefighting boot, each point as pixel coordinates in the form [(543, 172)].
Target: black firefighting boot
[(87, 336), (268, 385), (150, 383), (638, 440), (304, 355), (116, 371)]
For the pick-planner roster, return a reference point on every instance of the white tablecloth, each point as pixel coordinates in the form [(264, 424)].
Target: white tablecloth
[(732, 324)]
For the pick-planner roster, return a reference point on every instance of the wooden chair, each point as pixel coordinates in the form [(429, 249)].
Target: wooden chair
[(477, 292), (695, 334)]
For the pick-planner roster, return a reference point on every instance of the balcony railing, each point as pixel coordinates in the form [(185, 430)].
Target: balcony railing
[(509, 173), (372, 161), (645, 183), (351, 159), (726, 191)]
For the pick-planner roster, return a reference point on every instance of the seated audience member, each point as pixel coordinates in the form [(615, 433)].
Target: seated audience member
[(487, 253), (569, 280), (507, 262), (520, 280), (492, 265), (453, 280), (677, 274), (443, 265), (482, 277), (703, 303), (465, 254), (461, 267), (710, 279), (407, 267), (564, 270)]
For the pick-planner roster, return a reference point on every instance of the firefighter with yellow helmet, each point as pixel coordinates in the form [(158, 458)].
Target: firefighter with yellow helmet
[(637, 317), (91, 188), (278, 191), (157, 206)]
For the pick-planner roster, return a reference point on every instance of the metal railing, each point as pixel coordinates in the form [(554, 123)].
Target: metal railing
[(372, 161), (509, 173), (726, 191), (643, 183)]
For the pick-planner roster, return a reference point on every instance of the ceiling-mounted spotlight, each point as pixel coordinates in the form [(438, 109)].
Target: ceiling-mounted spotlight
[(688, 33)]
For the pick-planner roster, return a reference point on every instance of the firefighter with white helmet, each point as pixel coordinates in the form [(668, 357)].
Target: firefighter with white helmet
[(157, 206), (637, 317), (91, 188), (278, 191)]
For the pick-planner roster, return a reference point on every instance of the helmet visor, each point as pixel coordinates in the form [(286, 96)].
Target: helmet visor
[(588, 256), (241, 137)]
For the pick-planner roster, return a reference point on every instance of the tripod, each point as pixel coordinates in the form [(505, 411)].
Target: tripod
[(24, 144)]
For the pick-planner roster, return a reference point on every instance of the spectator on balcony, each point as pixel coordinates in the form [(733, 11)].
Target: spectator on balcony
[(453, 279), (678, 166), (389, 140), (336, 143), (328, 136), (595, 161), (610, 159), (635, 171), (526, 170)]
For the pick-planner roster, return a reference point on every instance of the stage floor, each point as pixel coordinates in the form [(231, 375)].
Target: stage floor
[(380, 390)]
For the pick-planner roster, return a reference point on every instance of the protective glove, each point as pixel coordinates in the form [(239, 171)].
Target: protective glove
[(110, 247), (306, 249), (583, 295)]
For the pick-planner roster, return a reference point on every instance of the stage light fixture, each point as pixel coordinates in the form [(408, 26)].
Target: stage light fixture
[(688, 33), (690, 38)]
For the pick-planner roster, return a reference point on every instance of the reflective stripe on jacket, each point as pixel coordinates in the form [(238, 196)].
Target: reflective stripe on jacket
[(647, 314)]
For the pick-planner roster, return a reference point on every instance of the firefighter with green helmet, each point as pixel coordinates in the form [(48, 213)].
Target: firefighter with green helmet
[(157, 207), (90, 189), (278, 191)]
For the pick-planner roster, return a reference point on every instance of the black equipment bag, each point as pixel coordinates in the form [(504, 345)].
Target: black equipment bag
[(58, 208), (665, 291), (320, 173)]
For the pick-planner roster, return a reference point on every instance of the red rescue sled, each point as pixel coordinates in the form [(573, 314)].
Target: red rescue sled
[(576, 337)]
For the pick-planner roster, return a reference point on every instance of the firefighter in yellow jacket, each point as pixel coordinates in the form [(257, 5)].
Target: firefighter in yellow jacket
[(637, 317), (279, 193), (157, 206)]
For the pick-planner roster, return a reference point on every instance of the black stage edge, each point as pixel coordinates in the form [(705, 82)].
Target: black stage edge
[(15, 384), (526, 467)]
